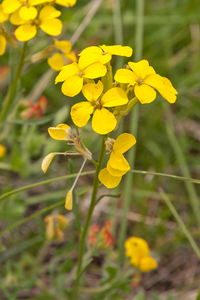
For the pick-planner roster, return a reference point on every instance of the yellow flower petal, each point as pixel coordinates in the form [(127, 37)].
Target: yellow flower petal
[(9, 6), (67, 71), (144, 93), (147, 264), (92, 91), (27, 13), (49, 227), (87, 59), (81, 112), (60, 132), (56, 62), (72, 86), (66, 3), (168, 95), (37, 2), (46, 161), (151, 70), (140, 68), (2, 148), (62, 222), (51, 26), (3, 16), (115, 172), (92, 49), (94, 71), (119, 162), (108, 180), (15, 18), (124, 142), (25, 32), (105, 58), (49, 12), (125, 76), (69, 200), (103, 121), (71, 56), (63, 45), (114, 97), (118, 50), (2, 44), (155, 81), (136, 248)]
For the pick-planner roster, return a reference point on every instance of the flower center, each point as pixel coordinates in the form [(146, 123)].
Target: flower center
[(140, 81), (97, 104), (36, 22)]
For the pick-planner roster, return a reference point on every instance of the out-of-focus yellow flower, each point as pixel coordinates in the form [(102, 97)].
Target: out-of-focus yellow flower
[(3, 16), (144, 80), (105, 52), (2, 150), (55, 224), (103, 121), (138, 251), (117, 165), (57, 61), (47, 21), (73, 75)]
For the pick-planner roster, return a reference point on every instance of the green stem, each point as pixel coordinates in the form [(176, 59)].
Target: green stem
[(11, 93), (180, 222), (87, 223), (134, 125)]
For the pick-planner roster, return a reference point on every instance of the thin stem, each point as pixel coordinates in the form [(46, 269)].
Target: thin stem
[(184, 168), (27, 187), (11, 93), (133, 129), (180, 222), (87, 223)]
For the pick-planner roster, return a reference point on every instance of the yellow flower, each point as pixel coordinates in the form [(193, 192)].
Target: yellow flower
[(103, 121), (56, 62), (138, 250), (2, 150), (2, 43), (66, 3), (3, 17), (105, 52), (145, 80), (25, 8), (55, 224), (47, 21), (117, 165), (74, 74)]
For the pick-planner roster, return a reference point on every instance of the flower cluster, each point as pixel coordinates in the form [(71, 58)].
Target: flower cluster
[(101, 238), (138, 251), (29, 16)]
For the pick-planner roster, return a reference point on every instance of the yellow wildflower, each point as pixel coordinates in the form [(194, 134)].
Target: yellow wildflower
[(56, 62), (66, 3), (105, 52), (74, 74), (138, 251), (25, 8), (2, 150), (55, 224), (47, 21), (103, 121), (145, 80), (117, 165)]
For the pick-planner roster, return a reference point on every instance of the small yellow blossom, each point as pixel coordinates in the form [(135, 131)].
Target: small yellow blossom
[(55, 224), (25, 8), (117, 165), (2, 150), (47, 21), (57, 61), (105, 52), (138, 251), (103, 121), (74, 74), (144, 80), (3, 17)]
